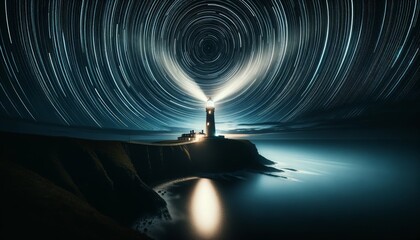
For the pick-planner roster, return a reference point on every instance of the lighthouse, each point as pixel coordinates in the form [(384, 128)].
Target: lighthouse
[(210, 125)]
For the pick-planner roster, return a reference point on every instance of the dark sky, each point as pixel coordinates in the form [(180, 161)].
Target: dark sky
[(149, 65)]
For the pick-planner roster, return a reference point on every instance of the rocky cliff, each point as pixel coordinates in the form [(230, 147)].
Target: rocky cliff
[(68, 188)]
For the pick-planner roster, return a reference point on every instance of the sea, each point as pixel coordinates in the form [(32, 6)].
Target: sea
[(324, 189)]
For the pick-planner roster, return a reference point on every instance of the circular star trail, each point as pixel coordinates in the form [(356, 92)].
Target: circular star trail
[(151, 65)]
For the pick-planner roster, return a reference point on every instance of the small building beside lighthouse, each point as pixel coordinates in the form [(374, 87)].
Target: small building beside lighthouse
[(193, 136), (210, 125)]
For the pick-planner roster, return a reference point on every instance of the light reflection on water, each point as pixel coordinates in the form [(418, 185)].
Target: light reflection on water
[(326, 187), (205, 209)]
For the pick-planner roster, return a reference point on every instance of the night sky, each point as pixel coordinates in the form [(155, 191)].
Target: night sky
[(150, 65)]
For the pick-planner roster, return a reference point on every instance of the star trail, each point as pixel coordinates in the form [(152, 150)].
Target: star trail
[(150, 65)]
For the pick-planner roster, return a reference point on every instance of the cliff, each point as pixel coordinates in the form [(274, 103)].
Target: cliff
[(69, 188), (156, 163)]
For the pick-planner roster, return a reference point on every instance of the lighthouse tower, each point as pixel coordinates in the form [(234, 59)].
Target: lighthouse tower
[(210, 125)]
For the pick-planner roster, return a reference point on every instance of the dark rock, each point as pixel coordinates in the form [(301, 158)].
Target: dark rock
[(107, 177)]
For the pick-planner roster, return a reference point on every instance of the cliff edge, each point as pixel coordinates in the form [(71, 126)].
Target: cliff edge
[(57, 187)]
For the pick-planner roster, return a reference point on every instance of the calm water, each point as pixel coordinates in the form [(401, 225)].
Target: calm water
[(328, 188)]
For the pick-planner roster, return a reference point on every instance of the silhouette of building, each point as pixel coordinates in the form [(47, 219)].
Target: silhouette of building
[(210, 125), (192, 136)]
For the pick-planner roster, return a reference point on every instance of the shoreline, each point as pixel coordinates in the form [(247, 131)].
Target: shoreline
[(114, 179)]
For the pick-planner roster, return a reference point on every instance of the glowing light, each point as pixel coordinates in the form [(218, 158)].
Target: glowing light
[(205, 209), (181, 78), (199, 137), (251, 71), (210, 104)]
